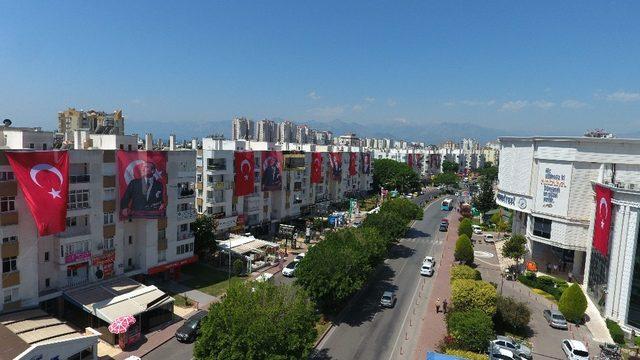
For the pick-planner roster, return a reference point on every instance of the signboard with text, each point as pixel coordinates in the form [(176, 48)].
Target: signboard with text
[(553, 188)]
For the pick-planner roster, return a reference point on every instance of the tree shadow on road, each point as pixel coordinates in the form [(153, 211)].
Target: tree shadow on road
[(415, 233), (320, 354), (399, 251)]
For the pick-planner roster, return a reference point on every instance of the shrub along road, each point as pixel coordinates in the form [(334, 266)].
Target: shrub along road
[(368, 331)]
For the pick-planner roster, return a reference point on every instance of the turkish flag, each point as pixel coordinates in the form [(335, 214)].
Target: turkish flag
[(353, 170), (316, 168), (602, 223), (44, 180), (245, 174), (410, 160)]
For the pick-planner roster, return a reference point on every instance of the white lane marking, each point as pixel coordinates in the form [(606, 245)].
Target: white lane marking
[(326, 337)]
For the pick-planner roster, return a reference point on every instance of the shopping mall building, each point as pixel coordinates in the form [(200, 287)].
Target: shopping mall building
[(550, 183)]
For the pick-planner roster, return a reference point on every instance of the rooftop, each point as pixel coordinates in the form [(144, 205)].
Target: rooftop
[(584, 139)]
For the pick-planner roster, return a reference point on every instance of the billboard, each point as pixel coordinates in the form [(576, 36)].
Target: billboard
[(142, 184), (335, 158), (554, 180), (271, 170), (353, 166)]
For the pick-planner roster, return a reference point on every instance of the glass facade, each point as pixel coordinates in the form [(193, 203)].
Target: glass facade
[(598, 276), (633, 316)]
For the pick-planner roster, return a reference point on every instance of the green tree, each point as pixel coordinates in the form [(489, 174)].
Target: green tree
[(392, 174), (573, 303), (465, 228), (514, 247), (464, 250), (204, 229), (390, 225), (512, 315), (490, 172), (446, 179), (485, 200), (406, 208), (238, 266), (258, 321), (471, 330), (474, 294), (449, 166), (464, 272)]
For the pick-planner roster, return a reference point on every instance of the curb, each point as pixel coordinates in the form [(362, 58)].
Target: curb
[(324, 335)]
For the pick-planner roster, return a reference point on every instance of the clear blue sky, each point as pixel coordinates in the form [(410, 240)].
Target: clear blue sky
[(539, 65)]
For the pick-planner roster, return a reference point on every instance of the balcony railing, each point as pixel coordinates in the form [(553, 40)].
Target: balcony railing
[(74, 231), (188, 214), (215, 199), (185, 193), (185, 235), (75, 179), (217, 167)]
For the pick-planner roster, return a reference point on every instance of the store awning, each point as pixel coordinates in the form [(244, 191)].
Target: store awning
[(242, 245)]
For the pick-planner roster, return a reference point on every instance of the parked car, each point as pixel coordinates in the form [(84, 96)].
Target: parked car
[(189, 331), (426, 269), (429, 259), (555, 319), (477, 229), (445, 220), (444, 226), (575, 350), (510, 344), (299, 257), (290, 269), (489, 238), (388, 299), (499, 353)]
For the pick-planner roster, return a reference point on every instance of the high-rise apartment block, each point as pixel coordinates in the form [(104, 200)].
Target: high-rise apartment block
[(98, 122), (242, 129), (286, 132), (266, 130)]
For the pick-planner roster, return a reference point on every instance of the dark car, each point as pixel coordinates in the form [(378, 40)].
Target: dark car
[(189, 331), (444, 226)]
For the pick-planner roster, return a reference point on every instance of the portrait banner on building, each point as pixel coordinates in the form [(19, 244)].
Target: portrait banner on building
[(418, 160), (43, 177), (335, 158), (244, 166), (353, 166), (410, 160), (434, 161), (316, 168), (142, 184), (271, 170), (366, 162), (602, 222)]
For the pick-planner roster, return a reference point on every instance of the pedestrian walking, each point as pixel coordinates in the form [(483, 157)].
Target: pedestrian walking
[(438, 305), (444, 306), (555, 268)]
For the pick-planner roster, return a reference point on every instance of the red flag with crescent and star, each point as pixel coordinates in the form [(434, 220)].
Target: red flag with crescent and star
[(245, 173), (44, 180), (353, 170), (316, 168), (602, 223)]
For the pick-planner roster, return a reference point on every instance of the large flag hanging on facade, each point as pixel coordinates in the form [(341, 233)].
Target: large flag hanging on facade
[(410, 160), (142, 184), (44, 180), (335, 158), (602, 222), (366, 162), (271, 170), (316, 168), (418, 160), (245, 174), (353, 167)]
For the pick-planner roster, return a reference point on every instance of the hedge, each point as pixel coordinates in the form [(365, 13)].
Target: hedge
[(616, 331), (548, 284), (467, 354)]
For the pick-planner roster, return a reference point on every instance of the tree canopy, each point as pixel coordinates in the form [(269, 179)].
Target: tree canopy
[(406, 208), (258, 321), (204, 229), (390, 225), (573, 303), (394, 175), (446, 179), (514, 247), (471, 330), (474, 294), (465, 228), (489, 172), (464, 250), (450, 166), (485, 200)]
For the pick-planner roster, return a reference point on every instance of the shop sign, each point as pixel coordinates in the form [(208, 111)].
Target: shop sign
[(80, 256), (105, 261), (227, 223), (553, 188), (175, 264)]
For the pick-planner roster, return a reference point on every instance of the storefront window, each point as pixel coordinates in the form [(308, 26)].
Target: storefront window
[(633, 317), (598, 275)]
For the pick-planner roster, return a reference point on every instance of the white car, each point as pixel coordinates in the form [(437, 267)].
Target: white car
[(426, 269), (299, 257), (499, 353), (575, 350), (477, 231), (489, 238), (429, 259), (290, 269)]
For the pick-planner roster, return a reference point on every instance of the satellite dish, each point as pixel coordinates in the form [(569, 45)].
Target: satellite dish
[(6, 122)]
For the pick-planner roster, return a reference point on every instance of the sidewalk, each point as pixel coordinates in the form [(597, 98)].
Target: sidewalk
[(433, 327), (153, 340)]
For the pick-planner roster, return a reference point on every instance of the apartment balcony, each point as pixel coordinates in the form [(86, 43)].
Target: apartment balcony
[(185, 235), (189, 214), (74, 231), (10, 279), (186, 193), (10, 249), (217, 168), (79, 179), (9, 218), (221, 185), (215, 199)]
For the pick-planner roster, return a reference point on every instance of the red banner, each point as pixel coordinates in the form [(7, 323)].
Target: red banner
[(602, 222), (44, 180), (418, 160), (245, 173), (316, 168), (335, 158), (142, 184), (353, 169), (365, 160), (271, 170)]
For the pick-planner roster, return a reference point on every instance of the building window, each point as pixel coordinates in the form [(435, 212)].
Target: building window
[(46, 256), (130, 240), (107, 243), (78, 199), (47, 282), (109, 194), (9, 239), (32, 146), (542, 227), (9, 264), (122, 147), (11, 295), (162, 255), (72, 221), (7, 203), (6, 176), (184, 249), (108, 218), (44, 146), (130, 262)]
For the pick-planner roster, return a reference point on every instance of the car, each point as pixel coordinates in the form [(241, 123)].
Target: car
[(510, 344), (444, 227), (500, 353), (555, 319), (388, 299), (290, 269), (445, 221), (189, 331), (575, 350), (429, 259), (426, 269), (477, 231), (489, 238), (299, 257)]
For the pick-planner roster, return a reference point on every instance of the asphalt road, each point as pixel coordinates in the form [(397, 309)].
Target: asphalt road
[(172, 349), (368, 331)]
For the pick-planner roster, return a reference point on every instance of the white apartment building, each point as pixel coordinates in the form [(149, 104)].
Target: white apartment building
[(242, 129), (286, 132), (550, 183), (266, 130), (215, 191)]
